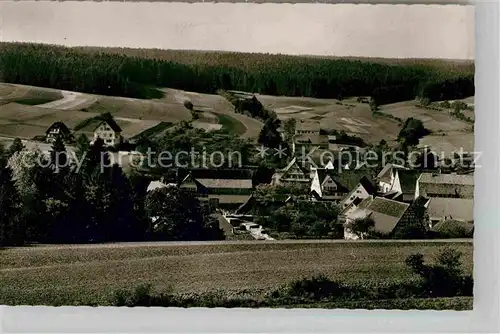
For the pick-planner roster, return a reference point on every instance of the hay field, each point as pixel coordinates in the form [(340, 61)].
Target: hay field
[(78, 274), (348, 115), (27, 95), (434, 120), (216, 104), (140, 109), (25, 121), (450, 142)]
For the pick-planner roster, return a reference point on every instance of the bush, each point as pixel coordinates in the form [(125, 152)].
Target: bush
[(444, 278), (189, 105)]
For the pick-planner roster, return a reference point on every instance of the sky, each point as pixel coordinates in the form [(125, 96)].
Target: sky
[(389, 31)]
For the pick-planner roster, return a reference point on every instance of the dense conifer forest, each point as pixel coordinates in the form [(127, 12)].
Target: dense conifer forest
[(135, 73)]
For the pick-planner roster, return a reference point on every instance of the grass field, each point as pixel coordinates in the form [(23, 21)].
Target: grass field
[(135, 116), (79, 274), (231, 124), (27, 111), (347, 115)]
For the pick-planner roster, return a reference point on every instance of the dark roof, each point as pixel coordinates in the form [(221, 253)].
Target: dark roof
[(112, 124), (385, 174), (388, 207), (458, 185), (445, 225), (62, 127), (349, 179), (207, 173), (408, 180), (230, 199), (385, 212), (368, 185), (451, 208)]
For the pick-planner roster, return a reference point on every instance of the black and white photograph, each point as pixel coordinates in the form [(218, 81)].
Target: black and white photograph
[(232, 155)]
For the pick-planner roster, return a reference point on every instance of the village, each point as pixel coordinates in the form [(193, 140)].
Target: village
[(439, 195)]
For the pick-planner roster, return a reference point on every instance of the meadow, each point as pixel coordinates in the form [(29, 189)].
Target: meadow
[(72, 275), (27, 111)]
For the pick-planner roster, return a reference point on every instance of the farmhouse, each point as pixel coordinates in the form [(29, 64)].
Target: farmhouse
[(296, 172), (441, 209), (361, 191), (227, 188), (306, 141), (307, 128), (445, 185), (109, 131), (387, 176), (57, 129), (334, 144), (327, 184), (386, 213)]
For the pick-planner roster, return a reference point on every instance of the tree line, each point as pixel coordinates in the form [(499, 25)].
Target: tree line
[(111, 73)]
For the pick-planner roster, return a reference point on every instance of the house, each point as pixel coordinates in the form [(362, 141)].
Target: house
[(440, 209), (386, 177), (454, 229), (301, 142), (296, 172), (398, 182), (307, 128), (361, 191), (58, 129), (445, 185), (386, 213), (328, 184), (109, 131), (228, 188), (153, 185)]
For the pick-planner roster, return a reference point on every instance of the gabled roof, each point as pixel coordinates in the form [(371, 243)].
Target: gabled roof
[(112, 124), (230, 199), (310, 139), (368, 185), (307, 126), (451, 223), (385, 212), (350, 178), (457, 185), (62, 127), (208, 173), (453, 179), (298, 164), (385, 174), (155, 185), (408, 179), (451, 208), (226, 183), (347, 180)]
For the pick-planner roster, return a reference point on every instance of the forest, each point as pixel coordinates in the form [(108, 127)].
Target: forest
[(136, 74)]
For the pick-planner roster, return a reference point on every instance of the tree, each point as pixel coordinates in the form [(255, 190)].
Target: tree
[(289, 127), (34, 184), (58, 155), (11, 227), (445, 277), (362, 227), (412, 130), (269, 135), (188, 105), (82, 146), (16, 146), (177, 215)]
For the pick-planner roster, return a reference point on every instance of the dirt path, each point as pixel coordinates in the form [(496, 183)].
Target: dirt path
[(70, 100)]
